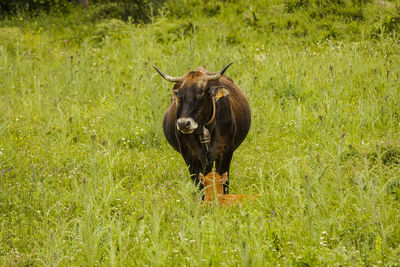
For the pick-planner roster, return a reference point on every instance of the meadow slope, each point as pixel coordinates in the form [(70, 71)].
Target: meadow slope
[(87, 177)]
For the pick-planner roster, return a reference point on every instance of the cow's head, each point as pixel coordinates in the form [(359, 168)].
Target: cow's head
[(195, 94)]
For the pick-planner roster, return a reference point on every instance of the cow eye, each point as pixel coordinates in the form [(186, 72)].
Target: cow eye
[(176, 93), (200, 96)]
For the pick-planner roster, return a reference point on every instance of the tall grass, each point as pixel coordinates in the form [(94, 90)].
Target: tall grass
[(87, 177)]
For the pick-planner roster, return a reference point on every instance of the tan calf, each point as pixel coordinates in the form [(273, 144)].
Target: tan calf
[(213, 189)]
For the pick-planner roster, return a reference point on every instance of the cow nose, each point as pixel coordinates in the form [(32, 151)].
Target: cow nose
[(183, 124), (186, 125)]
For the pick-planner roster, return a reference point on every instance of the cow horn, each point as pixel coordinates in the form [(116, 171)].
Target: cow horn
[(218, 75), (167, 77)]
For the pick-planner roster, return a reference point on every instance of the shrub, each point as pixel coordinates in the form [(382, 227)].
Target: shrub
[(33, 6), (139, 10), (112, 28)]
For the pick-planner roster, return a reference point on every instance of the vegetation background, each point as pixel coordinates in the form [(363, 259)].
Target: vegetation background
[(87, 177)]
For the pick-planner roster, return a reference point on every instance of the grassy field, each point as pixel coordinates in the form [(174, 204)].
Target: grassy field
[(87, 177)]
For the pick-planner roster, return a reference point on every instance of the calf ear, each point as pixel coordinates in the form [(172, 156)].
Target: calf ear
[(224, 178), (202, 179), (218, 92)]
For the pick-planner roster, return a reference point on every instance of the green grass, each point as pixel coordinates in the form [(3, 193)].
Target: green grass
[(87, 177)]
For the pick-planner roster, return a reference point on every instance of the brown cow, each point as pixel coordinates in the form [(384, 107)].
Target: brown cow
[(213, 189), (206, 121)]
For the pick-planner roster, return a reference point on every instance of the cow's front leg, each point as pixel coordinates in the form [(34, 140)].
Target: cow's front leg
[(195, 167), (222, 166)]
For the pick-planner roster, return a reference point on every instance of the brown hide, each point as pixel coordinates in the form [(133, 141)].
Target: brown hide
[(213, 189)]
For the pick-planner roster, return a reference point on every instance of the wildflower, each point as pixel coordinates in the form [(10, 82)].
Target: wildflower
[(272, 216)]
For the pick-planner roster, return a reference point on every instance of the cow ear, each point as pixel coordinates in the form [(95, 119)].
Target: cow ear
[(202, 178), (219, 92), (177, 85), (224, 178)]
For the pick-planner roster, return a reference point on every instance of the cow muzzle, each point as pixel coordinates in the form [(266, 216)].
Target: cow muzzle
[(186, 125)]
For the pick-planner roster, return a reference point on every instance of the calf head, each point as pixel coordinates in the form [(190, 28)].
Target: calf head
[(213, 184), (195, 94)]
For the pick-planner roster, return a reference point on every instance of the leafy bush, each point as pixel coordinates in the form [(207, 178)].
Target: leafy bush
[(167, 31), (139, 10), (33, 6), (392, 23), (212, 9), (292, 5), (112, 28)]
